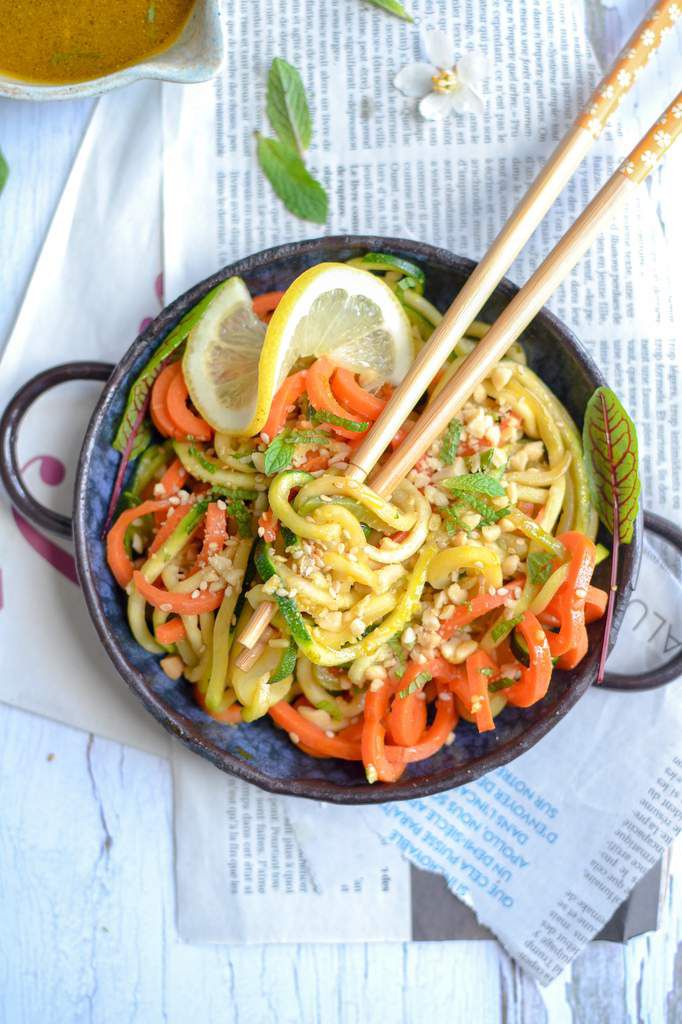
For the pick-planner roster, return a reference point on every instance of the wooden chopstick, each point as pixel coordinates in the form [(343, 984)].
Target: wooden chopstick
[(511, 239), (521, 310), (566, 158)]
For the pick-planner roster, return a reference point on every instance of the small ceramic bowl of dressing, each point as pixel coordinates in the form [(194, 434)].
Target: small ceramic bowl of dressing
[(179, 42)]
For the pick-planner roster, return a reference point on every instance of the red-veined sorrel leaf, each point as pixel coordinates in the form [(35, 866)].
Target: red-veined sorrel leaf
[(610, 447)]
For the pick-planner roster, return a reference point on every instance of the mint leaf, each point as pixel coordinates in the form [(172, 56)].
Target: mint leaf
[(540, 566), (280, 452), (287, 107), (503, 627), (393, 7), (417, 683), (400, 655), (278, 455), (238, 511), (291, 181), (450, 442), (4, 171), (477, 483), (322, 416)]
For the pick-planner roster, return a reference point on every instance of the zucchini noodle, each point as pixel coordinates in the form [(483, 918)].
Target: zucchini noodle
[(482, 539)]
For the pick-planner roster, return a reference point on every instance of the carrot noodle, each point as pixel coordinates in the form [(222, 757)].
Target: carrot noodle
[(387, 620)]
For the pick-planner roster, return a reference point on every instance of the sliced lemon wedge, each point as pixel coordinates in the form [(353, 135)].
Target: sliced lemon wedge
[(220, 364), (233, 366)]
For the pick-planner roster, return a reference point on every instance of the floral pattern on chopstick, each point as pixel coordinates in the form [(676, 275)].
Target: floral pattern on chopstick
[(655, 143), (625, 72)]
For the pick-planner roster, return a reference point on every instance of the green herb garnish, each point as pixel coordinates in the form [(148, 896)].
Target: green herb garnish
[(502, 628), (280, 452), (540, 566), (611, 462), (417, 683), (450, 442), (400, 655), (281, 159), (475, 483), (287, 107)]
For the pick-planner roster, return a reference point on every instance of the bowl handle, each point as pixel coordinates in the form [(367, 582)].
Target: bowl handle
[(671, 669), (17, 408)]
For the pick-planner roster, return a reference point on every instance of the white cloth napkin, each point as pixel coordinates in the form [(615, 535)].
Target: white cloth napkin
[(96, 280)]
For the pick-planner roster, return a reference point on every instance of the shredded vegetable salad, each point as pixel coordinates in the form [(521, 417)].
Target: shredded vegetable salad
[(394, 618)]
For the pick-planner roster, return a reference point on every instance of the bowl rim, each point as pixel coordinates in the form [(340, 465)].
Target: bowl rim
[(174, 722), (156, 67)]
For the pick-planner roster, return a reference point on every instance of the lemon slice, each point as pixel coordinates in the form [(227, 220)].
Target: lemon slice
[(220, 364), (233, 366), (338, 310)]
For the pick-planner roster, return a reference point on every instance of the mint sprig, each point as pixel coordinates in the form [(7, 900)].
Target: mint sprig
[(281, 159)]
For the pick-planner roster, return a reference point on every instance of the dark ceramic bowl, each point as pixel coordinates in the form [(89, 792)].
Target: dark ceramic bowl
[(261, 753)]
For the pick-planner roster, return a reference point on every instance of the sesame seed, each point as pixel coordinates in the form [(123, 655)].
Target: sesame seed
[(293, 737), (195, 594), (449, 739), (165, 607)]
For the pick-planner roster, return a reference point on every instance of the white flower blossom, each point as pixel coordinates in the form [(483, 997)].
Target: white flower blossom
[(629, 167), (662, 139), (623, 78), (677, 111), (649, 157), (675, 12), (594, 125), (648, 37), (443, 85), (665, 31), (607, 94)]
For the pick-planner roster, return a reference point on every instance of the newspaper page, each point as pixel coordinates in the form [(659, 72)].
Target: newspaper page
[(454, 183)]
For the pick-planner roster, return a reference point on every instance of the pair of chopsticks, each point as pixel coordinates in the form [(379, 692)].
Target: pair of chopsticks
[(529, 300)]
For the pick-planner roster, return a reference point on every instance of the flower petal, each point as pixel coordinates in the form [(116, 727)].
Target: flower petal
[(465, 101), (415, 79), (436, 105), (439, 48), (473, 70)]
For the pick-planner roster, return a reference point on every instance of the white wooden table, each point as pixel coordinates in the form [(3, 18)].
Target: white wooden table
[(86, 887)]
